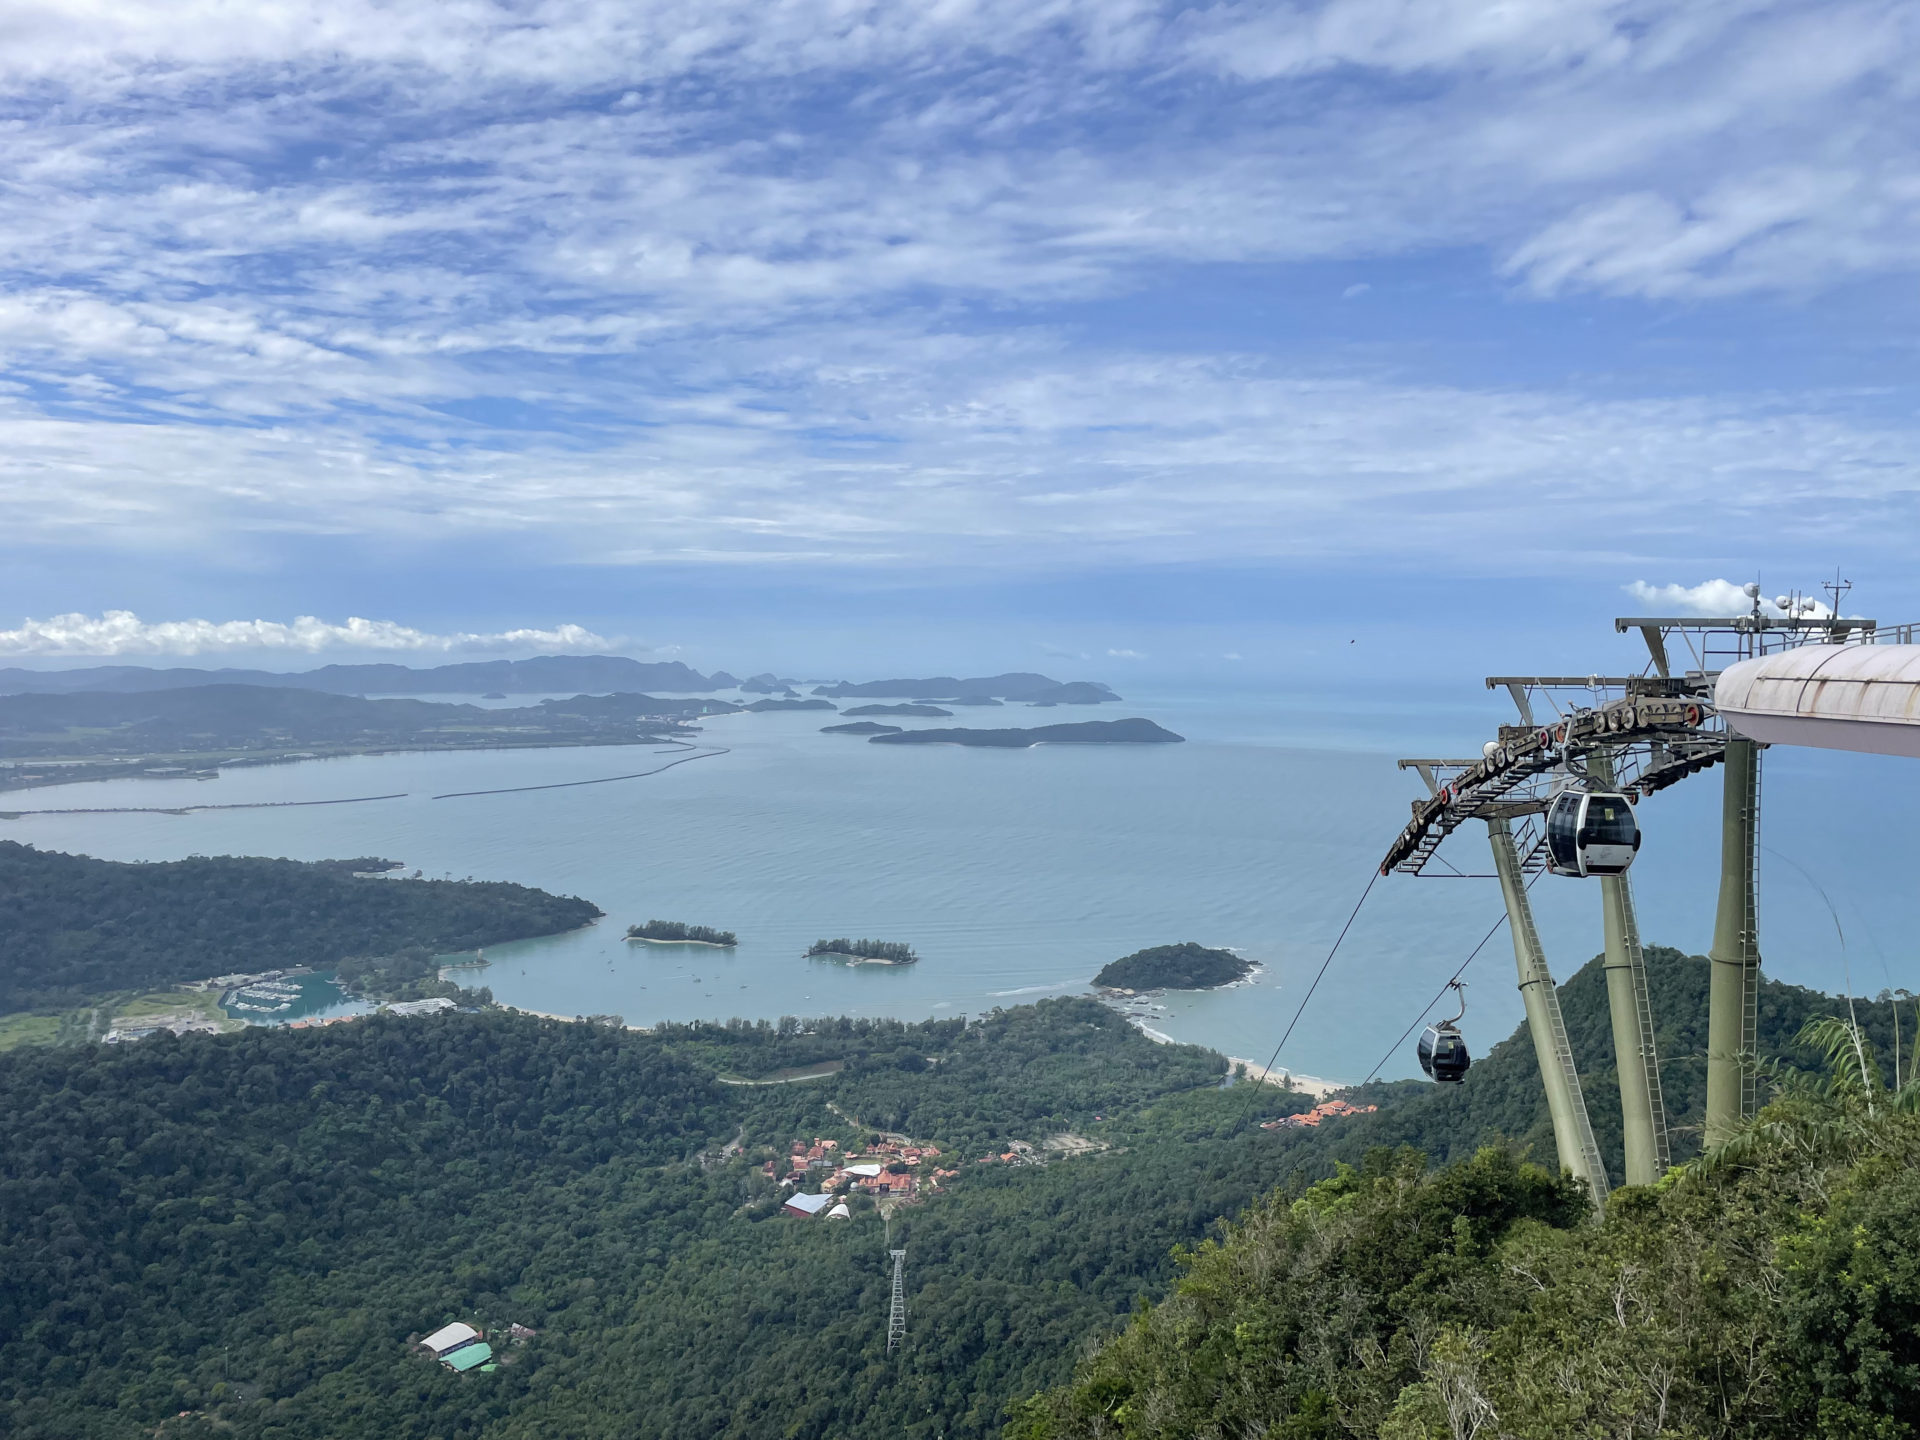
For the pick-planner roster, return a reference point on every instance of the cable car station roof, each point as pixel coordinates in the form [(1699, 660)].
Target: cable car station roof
[(1837, 697)]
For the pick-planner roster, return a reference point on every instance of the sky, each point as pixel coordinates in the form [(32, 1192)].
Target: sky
[(812, 333)]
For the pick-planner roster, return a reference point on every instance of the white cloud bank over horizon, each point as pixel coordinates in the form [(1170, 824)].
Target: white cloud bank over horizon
[(123, 633), (1717, 599)]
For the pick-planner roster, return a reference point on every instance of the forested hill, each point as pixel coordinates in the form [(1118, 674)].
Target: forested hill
[(1771, 1291), (249, 1227), (72, 927)]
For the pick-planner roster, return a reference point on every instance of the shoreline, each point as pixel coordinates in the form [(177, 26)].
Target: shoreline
[(649, 940), (1312, 1085), (1317, 1086)]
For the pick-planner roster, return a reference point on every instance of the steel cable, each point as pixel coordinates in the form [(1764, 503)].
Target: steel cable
[(1320, 975)]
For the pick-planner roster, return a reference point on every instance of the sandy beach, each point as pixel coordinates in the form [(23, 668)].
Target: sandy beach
[(1306, 1084)]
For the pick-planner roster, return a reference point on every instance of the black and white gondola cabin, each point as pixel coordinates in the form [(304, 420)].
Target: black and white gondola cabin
[(1591, 832), (1443, 1054)]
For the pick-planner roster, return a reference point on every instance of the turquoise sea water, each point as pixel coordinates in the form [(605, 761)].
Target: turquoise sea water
[(1018, 873)]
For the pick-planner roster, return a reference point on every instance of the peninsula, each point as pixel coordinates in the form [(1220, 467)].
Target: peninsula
[(860, 727), (930, 712), (674, 932), (761, 706), (195, 731), (1085, 732), (863, 952), (1174, 967)]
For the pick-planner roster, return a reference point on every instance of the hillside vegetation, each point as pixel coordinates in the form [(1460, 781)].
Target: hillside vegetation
[(72, 927), (1771, 1289), (249, 1227)]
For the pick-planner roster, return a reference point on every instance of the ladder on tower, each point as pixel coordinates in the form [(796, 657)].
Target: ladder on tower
[(1750, 961), (897, 1316), (1650, 1057)]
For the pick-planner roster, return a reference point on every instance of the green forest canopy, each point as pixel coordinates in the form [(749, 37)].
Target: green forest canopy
[(250, 1227), (1186, 966), (72, 927), (1770, 1290)]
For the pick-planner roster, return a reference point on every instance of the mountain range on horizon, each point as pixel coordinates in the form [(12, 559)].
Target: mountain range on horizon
[(543, 674)]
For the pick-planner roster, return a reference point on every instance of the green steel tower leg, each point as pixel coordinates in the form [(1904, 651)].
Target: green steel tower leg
[(1572, 1132), (1734, 982), (1643, 1120), (1643, 1116)]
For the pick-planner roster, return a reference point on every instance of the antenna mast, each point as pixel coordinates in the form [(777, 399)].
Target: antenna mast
[(897, 1316)]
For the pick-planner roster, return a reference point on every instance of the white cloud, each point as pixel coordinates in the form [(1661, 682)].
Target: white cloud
[(403, 269), (122, 633), (1719, 598), (1126, 654), (890, 449)]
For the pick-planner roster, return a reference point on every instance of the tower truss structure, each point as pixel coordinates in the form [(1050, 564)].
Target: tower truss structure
[(1638, 734)]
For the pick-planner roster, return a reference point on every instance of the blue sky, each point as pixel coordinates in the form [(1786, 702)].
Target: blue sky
[(815, 334)]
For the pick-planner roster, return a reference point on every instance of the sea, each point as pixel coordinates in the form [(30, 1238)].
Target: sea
[(1017, 874)]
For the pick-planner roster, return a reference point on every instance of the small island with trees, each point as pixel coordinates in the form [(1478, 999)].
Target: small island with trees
[(673, 932), (863, 952), (927, 712), (1174, 967)]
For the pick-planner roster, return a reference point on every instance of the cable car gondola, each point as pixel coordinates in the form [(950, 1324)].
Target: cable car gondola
[(1443, 1051), (1591, 832)]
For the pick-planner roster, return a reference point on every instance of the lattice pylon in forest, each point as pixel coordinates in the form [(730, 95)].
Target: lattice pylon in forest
[(897, 1316)]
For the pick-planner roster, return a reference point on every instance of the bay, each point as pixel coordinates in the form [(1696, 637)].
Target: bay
[(1016, 874)]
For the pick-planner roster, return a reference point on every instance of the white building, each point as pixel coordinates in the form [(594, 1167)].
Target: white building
[(449, 1338)]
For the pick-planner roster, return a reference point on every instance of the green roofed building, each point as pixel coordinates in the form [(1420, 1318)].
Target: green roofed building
[(468, 1356)]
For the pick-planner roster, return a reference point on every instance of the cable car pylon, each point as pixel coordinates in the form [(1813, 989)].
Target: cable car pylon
[(897, 1313), (1733, 986), (1572, 1130), (1569, 782), (1643, 1113)]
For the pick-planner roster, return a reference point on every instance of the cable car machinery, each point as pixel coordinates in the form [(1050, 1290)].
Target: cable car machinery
[(1590, 743)]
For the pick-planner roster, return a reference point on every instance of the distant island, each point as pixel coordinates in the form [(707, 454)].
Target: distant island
[(762, 705), (863, 952), (860, 727), (1085, 732), (673, 932), (980, 689), (1174, 967), (767, 684), (931, 712)]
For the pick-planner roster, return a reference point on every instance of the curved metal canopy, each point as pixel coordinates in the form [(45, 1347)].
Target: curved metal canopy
[(1835, 697)]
